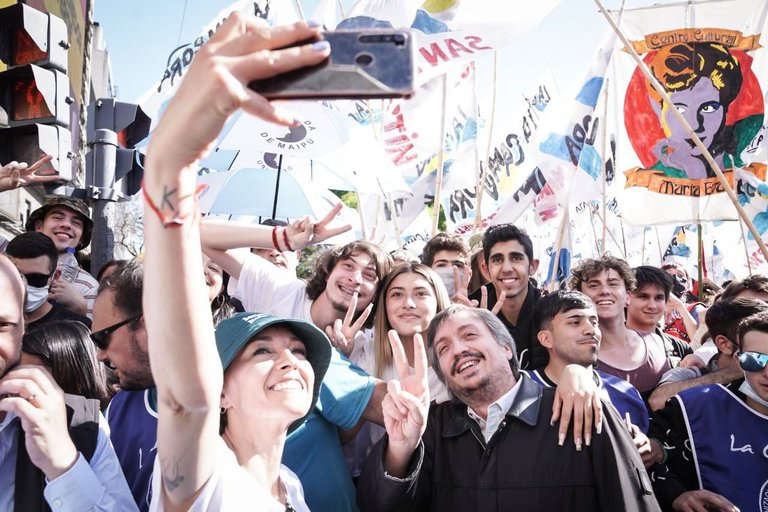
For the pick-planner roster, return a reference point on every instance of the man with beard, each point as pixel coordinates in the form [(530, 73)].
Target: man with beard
[(121, 337), (491, 449), (55, 448)]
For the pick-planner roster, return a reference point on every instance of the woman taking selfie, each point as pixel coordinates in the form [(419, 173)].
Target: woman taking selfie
[(272, 367)]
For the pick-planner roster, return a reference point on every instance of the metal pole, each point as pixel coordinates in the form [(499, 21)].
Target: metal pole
[(85, 93), (277, 184), (104, 153)]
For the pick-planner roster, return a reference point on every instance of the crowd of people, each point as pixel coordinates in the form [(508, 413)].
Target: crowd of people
[(206, 376)]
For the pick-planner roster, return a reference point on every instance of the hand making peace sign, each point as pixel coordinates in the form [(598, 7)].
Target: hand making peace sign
[(406, 405), (342, 334)]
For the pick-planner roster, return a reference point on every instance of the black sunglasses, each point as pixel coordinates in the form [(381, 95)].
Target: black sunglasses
[(753, 361), (37, 280), (101, 338)]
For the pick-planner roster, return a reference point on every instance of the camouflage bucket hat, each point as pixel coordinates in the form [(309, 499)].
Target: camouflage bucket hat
[(77, 205)]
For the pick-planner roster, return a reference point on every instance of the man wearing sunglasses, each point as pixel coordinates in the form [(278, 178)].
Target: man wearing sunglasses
[(120, 335), (716, 436), (35, 255), (54, 448)]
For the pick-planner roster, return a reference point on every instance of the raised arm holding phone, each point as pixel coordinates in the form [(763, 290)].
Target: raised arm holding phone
[(192, 391)]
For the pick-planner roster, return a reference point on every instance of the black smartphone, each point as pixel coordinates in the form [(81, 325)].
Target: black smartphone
[(371, 63)]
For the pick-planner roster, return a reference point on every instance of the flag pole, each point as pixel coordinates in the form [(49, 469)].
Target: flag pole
[(658, 245), (440, 160), (704, 151), (746, 249), (483, 168), (701, 259), (553, 285), (605, 163), (298, 8), (610, 233), (597, 252)]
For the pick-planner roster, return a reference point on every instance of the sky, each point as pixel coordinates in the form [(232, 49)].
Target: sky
[(140, 34)]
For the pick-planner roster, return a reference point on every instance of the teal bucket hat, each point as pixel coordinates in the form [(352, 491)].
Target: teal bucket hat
[(236, 332)]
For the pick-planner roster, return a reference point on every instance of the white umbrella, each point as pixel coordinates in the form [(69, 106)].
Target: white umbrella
[(258, 193)]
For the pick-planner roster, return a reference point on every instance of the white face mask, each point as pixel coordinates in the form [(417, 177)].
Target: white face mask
[(747, 389), (36, 297), (449, 279)]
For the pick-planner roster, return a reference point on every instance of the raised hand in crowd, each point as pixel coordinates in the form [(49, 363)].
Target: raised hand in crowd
[(63, 292), (406, 405), (31, 393), (304, 232), (18, 174), (462, 294), (343, 333)]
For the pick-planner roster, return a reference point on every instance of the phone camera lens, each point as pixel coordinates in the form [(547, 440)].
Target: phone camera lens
[(364, 59)]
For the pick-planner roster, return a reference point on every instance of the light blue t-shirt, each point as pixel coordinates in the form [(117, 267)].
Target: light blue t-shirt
[(313, 451)]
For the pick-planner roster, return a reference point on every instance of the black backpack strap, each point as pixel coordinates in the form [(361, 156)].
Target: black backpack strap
[(83, 419)]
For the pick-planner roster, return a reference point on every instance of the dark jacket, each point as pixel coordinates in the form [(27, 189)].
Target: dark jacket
[(521, 468), (83, 418), (530, 353)]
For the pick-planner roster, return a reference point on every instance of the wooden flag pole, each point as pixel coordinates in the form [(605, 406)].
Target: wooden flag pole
[(746, 249), (658, 244), (440, 159), (671, 107), (597, 252), (553, 285), (701, 260), (483, 168), (605, 164)]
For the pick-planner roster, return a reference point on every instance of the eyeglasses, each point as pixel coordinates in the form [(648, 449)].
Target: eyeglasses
[(36, 279), (753, 361), (101, 338)]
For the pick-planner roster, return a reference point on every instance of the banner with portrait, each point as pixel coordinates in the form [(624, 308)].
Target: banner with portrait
[(710, 58)]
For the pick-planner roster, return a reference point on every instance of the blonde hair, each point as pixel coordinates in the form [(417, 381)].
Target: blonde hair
[(381, 325)]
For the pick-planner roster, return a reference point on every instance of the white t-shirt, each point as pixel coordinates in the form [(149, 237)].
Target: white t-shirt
[(262, 288), (231, 489)]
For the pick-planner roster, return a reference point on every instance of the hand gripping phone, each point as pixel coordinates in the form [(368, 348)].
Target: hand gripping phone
[(371, 63)]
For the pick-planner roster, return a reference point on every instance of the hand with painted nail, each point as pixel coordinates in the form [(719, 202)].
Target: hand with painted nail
[(215, 86), (577, 401)]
